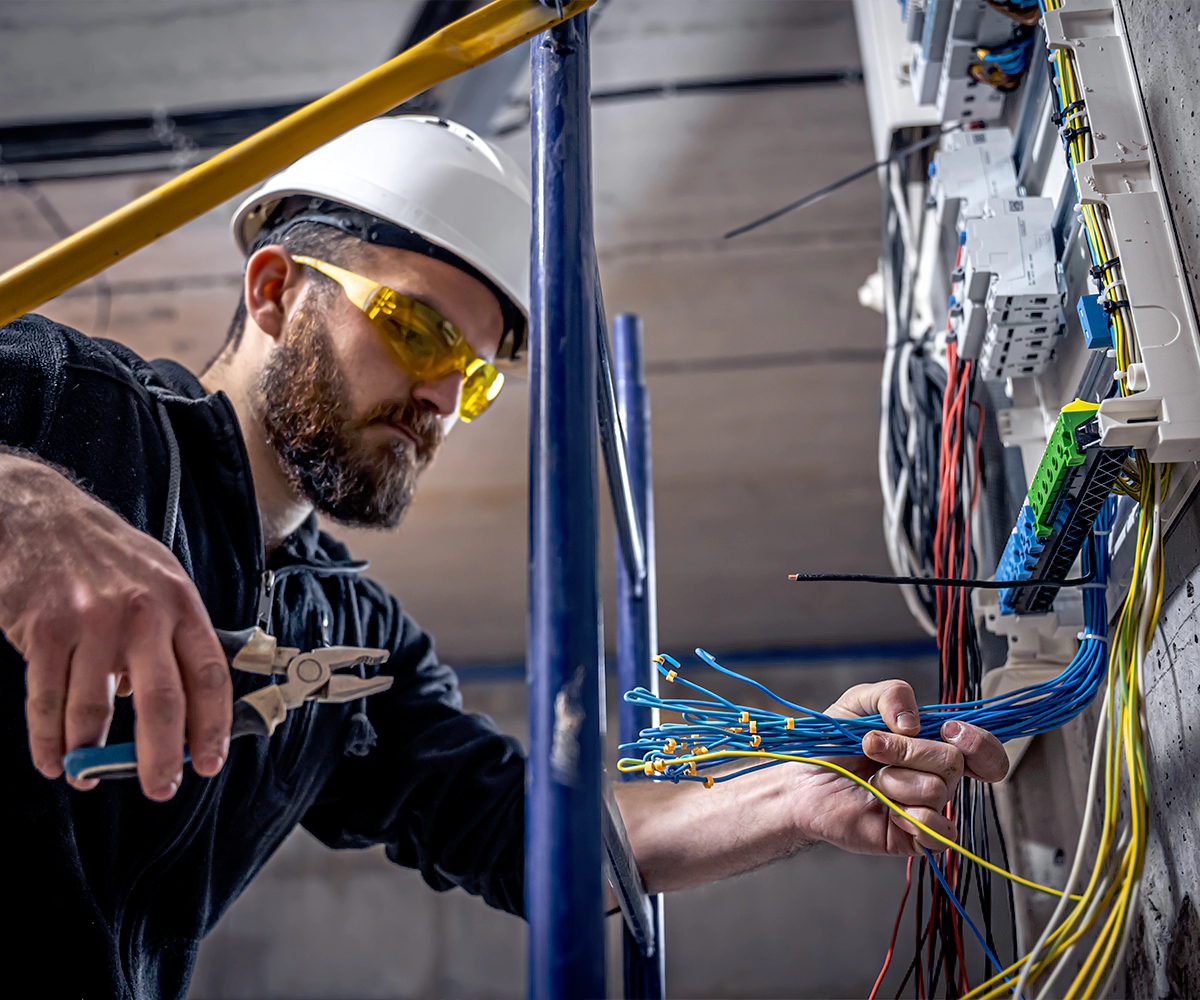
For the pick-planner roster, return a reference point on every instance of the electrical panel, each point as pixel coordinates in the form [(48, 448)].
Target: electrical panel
[(1056, 295), (1120, 182), (1040, 398)]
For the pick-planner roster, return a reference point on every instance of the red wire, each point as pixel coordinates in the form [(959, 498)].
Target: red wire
[(887, 961)]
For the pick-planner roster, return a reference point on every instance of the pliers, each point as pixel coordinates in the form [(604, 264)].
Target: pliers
[(309, 677)]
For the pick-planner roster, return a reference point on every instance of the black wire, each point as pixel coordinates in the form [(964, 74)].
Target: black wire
[(921, 934), (938, 581), (812, 199), (1012, 903)]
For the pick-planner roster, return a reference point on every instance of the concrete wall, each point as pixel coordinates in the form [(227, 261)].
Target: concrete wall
[(1164, 959), (324, 924)]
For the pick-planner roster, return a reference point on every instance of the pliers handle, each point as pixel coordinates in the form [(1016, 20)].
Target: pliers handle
[(309, 677)]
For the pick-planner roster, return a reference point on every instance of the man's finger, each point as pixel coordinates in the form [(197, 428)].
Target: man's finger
[(941, 759), (45, 703), (893, 700), (983, 754), (91, 690), (912, 788), (931, 818), (158, 703), (209, 690)]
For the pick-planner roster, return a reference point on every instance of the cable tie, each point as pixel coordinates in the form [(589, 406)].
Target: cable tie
[(1092, 635), (1110, 307)]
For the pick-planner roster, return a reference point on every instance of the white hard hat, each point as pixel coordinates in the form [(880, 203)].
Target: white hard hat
[(465, 200)]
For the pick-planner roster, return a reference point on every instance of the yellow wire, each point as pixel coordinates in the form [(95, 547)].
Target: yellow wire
[(629, 765)]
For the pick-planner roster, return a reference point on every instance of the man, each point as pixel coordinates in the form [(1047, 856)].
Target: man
[(140, 507)]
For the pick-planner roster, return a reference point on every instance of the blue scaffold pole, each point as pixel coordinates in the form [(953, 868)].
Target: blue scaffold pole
[(564, 893), (637, 614)]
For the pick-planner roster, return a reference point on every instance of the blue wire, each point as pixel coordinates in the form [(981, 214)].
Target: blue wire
[(963, 913), (721, 728)]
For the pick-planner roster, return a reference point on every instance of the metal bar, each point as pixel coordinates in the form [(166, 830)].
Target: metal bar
[(621, 868), (473, 40), (637, 616), (632, 549), (564, 891)]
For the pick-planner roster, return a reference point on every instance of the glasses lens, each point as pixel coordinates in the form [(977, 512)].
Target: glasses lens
[(421, 348), (481, 386)]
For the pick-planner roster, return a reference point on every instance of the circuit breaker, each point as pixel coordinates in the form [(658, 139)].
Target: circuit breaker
[(968, 169), (1010, 280)]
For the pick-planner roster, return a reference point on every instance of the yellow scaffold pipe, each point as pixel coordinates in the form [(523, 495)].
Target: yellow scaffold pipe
[(460, 46)]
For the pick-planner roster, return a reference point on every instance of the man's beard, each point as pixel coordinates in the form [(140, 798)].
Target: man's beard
[(320, 449)]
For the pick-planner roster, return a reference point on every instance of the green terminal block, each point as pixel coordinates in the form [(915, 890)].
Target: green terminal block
[(1062, 454)]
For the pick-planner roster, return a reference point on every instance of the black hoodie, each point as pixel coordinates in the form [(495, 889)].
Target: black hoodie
[(108, 893)]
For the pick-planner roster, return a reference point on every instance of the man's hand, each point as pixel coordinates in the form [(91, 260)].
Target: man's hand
[(99, 609), (685, 834), (919, 775)]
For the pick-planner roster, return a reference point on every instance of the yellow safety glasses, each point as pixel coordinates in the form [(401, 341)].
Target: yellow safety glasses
[(427, 344)]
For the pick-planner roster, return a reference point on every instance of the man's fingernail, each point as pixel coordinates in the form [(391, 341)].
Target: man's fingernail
[(874, 742), (952, 730), (907, 721)]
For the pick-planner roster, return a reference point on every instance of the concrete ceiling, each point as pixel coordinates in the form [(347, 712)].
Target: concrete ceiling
[(763, 367)]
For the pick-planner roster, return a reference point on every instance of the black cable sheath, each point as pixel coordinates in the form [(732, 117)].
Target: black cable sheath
[(937, 581), (816, 196)]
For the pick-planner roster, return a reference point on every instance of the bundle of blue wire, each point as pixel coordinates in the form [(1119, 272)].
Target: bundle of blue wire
[(713, 725), (1012, 57)]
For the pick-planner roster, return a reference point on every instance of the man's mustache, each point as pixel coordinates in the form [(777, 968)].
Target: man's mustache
[(422, 424)]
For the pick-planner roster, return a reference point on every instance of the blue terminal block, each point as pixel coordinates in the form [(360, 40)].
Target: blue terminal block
[(1020, 556), (1097, 332)]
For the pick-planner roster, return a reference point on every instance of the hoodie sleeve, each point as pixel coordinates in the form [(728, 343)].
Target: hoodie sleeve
[(442, 790), (32, 355)]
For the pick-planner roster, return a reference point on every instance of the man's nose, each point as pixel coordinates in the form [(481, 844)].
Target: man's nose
[(440, 395)]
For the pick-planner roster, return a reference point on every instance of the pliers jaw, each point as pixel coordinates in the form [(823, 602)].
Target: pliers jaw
[(309, 678)]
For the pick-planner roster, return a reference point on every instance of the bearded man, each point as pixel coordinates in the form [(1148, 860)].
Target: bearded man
[(140, 507)]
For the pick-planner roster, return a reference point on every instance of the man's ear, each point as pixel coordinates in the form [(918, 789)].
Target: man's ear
[(271, 287)]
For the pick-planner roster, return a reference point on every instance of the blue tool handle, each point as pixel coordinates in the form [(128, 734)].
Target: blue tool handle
[(119, 760)]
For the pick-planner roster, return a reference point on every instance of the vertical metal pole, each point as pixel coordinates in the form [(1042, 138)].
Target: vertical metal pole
[(564, 894), (637, 613)]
